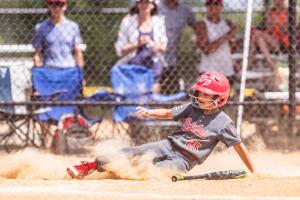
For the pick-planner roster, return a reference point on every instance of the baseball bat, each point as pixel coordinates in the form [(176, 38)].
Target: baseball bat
[(219, 175)]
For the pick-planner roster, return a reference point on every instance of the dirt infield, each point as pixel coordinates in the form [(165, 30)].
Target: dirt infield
[(37, 175)]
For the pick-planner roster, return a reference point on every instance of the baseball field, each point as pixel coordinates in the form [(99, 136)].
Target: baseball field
[(32, 174)]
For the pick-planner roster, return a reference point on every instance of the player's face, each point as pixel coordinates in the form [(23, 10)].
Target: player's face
[(57, 8), (279, 2), (214, 7), (206, 101)]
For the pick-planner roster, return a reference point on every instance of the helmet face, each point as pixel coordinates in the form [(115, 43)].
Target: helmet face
[(213, 83)]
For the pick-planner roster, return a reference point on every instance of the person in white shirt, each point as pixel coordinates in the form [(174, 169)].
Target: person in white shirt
[(213, 36), (142, 29)]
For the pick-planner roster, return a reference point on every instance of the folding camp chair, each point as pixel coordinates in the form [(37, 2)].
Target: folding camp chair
[(135, 83), (59, 84), (18, 127)]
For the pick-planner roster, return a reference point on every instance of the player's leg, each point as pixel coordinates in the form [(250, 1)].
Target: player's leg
[(159, 149), (156, 148), (174, 164)]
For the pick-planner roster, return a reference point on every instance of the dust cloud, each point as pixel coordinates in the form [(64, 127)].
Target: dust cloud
[(35, 164), (32, 164), (38, 165)]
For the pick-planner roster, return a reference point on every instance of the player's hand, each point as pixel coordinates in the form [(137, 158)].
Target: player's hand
[(142, 112)]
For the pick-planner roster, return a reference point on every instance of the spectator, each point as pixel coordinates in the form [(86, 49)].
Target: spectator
[(177, 16), (274, 36), (142, 38), (57, 39), (56, 42), (213, 35)]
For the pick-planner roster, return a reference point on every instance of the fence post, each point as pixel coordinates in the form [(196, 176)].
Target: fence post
[(246, 49), (292, 64)]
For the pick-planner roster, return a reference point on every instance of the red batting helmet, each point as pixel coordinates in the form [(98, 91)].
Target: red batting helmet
[(213, 83)]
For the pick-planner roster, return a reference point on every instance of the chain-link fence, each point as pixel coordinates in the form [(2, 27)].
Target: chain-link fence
[(198, 40)]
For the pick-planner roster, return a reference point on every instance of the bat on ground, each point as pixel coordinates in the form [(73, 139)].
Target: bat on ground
[(219, 175)]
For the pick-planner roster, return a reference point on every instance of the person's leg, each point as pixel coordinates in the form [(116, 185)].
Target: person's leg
[(82, 170), (264, 41), (159, 149), (175, 160), (176, 164), (273, 44), (253, 46)]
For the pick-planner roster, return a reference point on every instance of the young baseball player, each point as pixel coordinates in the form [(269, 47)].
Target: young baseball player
[(204, 124)]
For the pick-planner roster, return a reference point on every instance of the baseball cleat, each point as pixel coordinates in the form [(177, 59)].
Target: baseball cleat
[(82, 170)]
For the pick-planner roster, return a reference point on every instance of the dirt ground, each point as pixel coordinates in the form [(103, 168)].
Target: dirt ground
[(31, 174)]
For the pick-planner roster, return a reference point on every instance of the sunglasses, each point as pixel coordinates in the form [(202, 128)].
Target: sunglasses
[(213, 4), (56, 4)]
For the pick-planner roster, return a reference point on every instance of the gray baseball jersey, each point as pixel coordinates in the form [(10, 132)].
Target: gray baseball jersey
[(193, 143), (200, 133)]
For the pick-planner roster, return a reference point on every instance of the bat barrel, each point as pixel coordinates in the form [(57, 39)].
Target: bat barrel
[(220, 175)]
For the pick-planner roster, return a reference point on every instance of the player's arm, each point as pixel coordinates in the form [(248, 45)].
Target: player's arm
[(244, 155), (78, 55), (37, 58), (154, 113)]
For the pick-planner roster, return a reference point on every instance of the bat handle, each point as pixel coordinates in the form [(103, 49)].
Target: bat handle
[(177, 178)]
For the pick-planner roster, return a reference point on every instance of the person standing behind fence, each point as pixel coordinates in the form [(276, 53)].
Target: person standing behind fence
[(177, 16), (213, 36), (142, 38), (57, 40)]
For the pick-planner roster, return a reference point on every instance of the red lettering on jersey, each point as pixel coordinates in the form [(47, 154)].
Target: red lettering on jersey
[(189, 125), (193, 144)]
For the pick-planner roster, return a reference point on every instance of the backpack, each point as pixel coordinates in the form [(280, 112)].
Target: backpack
[(72, 135)]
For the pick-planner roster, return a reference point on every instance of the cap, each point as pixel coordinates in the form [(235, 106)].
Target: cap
[(133, 2), (214, 1), (58, 1), (152, 1)]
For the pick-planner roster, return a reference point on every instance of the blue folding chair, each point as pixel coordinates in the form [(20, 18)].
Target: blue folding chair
[(134, 83), (63, 85), (20, 129), (5, 89), (57, 84)]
